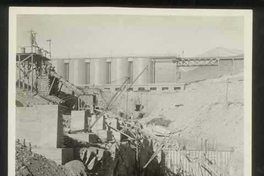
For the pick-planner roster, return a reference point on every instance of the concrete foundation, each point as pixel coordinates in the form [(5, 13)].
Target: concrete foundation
[(104, 135), (51, 126), (79, 120), (113, 123), (117, 136), (40, 125), (59, 155), (28, 117), (92, 138), (99, 125)]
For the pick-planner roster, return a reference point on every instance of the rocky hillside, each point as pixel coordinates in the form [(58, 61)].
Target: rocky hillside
[(31, 164)]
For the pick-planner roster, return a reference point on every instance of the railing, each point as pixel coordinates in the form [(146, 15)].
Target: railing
[(35, 50)]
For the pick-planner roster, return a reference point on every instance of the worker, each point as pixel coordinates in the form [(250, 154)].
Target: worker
[(42, 68), (36, 86), (53, 69), (48, 68)]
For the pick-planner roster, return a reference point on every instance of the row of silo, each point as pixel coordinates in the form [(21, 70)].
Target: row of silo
[(132, 67), (119, 70), (69, 69), (100, 71), (77, 71), (140, 64)]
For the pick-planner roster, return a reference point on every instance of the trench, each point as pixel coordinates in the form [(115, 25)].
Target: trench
[(119, 159)]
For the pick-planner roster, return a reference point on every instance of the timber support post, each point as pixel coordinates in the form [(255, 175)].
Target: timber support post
[(51, 85), (27, 75), (19, 71), (24, 70), (60, 89), (32, 74)]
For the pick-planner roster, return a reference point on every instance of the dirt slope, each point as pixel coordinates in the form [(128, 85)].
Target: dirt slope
[(30, 164), (210, 109)]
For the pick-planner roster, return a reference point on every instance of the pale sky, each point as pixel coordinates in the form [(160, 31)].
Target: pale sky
[(126, 35)]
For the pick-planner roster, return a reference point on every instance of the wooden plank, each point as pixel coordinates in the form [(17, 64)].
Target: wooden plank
[(26, 58), (208, 168), (32, 74), (24, 68), (19, 71), (190, 163), (52, 85), (28, 88)]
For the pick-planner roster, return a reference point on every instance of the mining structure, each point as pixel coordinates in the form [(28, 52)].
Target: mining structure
[(73, 121)]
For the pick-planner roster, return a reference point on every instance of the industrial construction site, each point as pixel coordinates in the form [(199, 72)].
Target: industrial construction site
[(130, 115)]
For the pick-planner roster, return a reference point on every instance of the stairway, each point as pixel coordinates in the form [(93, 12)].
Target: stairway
[(43, 84), (47, 84), (67, 84)]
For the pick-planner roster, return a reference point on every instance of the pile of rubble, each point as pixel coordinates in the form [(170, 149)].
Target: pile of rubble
[(31, 164)]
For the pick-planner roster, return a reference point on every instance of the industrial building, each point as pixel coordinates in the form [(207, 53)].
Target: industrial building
[(110, 73), (100, 71)]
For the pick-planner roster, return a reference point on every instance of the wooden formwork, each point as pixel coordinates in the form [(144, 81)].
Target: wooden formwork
[(196, 162)]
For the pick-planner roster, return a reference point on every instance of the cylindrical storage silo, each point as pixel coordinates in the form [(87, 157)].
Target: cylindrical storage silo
[(59, 67), (139, 64), (98, 71), (77, 71), (119, 70), (23, 50)]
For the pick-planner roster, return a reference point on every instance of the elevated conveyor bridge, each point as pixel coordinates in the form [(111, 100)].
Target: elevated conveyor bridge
[(195, 61)]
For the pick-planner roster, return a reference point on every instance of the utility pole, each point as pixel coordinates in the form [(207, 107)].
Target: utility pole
[(176, 72), (154, 71), (227, 90), (218, 74), (32, 39), (127, 98)]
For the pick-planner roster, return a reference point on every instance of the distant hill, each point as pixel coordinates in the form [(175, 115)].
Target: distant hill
[(221, 52), (165, 72)]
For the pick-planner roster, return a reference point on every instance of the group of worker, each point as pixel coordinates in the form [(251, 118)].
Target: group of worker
[(44, 69)]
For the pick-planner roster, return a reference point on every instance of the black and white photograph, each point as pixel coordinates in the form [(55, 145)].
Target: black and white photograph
[(129, 92)]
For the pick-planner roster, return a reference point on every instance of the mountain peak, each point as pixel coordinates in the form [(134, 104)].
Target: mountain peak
[(221, 52)]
